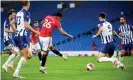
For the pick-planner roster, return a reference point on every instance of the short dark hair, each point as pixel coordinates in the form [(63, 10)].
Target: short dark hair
[(103, 15), (10, 12), (35, 21), (25, 2), (59, 14), (123, 17)]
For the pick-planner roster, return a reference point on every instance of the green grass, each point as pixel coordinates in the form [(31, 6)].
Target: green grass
[(72, 69)]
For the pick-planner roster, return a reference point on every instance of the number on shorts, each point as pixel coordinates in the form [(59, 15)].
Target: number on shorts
[(47, 24)]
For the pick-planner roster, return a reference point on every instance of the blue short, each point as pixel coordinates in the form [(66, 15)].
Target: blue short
[(109, 49), (127, 46), (21, 42), (8, 42)]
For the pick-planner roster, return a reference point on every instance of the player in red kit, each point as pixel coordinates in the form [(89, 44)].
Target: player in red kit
[(49, 23), (34, 44)]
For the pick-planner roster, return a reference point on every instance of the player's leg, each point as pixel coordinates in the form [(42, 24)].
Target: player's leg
[(16, 52), (22, 44), (101, 56), (38, 49), (64, 56), (115, 61), (10, 58), (52, 48), (108, 48), (46, 43), (44, 58), (123, 51)]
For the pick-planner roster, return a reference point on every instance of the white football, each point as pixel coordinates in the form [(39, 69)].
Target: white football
[(90, 66)]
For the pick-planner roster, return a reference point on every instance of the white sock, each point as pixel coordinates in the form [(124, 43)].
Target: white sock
[(10, 58), (42, 67), (11, 63), (121, 65), (21, 62), (106, 59)]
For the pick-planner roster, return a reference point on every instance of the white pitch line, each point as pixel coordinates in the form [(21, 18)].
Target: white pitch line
[(22, 78)]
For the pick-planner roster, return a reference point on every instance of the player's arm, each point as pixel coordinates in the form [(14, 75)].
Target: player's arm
[(62, 31), (26, 23), (27, 26), (116, 34), (31, 38), (12, 24), (65, 33), (8, 31), (98, 33)]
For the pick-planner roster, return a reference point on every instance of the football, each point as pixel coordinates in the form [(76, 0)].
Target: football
[(90, 66)]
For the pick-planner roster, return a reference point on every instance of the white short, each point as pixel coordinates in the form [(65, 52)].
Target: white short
[(46, 42), (35, 46)]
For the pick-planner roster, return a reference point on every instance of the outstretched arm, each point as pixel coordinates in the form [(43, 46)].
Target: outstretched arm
[(27, 26), (65, 33), (117, 35), (98, 33)]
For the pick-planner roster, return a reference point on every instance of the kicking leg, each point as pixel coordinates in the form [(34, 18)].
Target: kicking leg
[(52, 48)]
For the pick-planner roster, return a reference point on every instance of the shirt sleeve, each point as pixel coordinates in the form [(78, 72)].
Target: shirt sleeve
[(6, 25), (58, 24), (100, 25), (26, 16)]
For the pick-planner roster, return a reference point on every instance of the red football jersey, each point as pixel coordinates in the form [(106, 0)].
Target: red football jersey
[(49, 24), (34, 37)]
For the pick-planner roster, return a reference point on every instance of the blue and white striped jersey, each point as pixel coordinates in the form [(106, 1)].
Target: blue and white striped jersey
[(21, 17), (7, 35), (127, 34), (106, 35)]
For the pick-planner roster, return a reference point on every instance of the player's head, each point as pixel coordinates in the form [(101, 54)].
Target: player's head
[(11, 13), (122, 19), (35, 24), (102, 16), (26, 4), (59, 16)]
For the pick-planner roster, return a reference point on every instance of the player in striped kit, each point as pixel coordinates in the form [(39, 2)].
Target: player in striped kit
[(126, 32), (21, 38), (106, 34), (8, 41)]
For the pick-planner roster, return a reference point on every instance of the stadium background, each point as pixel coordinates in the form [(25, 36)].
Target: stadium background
[(80, 21)]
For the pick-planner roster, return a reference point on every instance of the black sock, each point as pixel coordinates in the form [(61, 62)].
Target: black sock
[(44, 58), (40, 56), (57, 53)]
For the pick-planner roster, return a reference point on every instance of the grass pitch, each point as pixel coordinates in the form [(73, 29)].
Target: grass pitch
[(73, 69)]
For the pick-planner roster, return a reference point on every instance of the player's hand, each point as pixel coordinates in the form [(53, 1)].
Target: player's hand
[(120, 34), (94, 36), (71, 37)]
